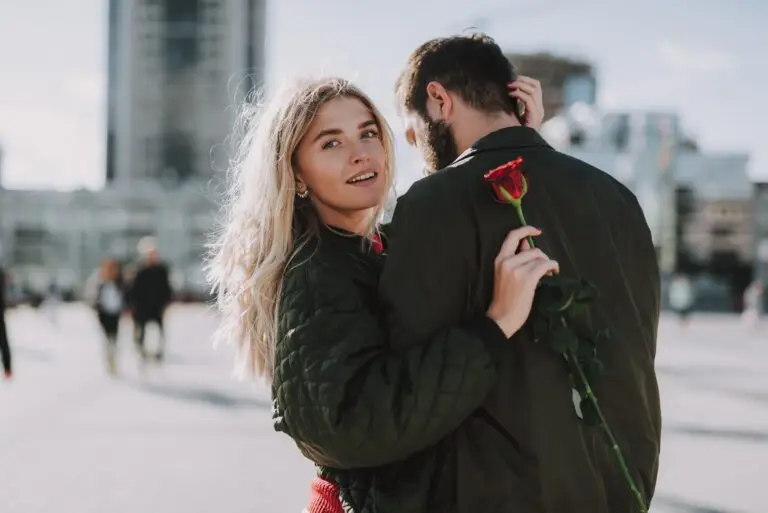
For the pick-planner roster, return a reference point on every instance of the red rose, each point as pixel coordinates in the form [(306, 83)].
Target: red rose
[(509, 186), (508, 181)]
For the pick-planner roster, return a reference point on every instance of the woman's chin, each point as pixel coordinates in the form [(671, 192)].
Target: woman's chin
[(368, 199)]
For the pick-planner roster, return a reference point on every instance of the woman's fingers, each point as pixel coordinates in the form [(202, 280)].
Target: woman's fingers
[(512, 242), (540, 268), (519, 261)]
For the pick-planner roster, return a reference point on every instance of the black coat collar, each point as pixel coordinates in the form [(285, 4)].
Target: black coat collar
[(514, 137)]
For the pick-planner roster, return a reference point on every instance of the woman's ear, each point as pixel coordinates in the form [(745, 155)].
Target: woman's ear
[(302, 191)]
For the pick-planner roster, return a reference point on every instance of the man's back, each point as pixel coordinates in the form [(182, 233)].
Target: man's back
[(526, 448)]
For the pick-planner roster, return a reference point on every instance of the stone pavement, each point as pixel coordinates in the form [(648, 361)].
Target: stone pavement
[(713, 378), (188, 438), (185, 438)]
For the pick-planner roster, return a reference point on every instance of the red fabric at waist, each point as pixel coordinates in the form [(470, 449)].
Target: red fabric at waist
[(324, 497)]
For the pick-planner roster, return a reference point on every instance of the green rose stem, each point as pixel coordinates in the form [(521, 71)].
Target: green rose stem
[(517, 203), (609, 433)]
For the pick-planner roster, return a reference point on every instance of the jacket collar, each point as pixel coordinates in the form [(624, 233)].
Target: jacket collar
[(376, 245), (514, 137)]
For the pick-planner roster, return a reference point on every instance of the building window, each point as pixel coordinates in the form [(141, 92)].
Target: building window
[(30, 245), (719, 232), (178, 156), (182, 47)]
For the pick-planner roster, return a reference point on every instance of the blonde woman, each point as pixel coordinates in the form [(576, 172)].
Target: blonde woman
[(296, 270)]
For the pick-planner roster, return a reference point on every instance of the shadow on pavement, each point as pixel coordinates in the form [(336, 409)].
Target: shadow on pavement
[(731, 434), (202, 360), (202, 395), (702, 376), (664, 503), (703, 371)]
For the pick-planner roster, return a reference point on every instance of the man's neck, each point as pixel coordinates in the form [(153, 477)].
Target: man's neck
[(478, 125)]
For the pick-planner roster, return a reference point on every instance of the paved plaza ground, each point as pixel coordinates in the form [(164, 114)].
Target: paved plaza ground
[(187, 438)]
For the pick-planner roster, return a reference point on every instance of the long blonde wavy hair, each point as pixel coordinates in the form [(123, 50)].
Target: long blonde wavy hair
[(257, 237)]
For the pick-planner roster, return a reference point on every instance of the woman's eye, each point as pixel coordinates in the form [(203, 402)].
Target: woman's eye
[(370, 134), (330, 144)]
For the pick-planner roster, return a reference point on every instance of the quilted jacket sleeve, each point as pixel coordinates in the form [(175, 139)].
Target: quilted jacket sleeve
[(350, 401)]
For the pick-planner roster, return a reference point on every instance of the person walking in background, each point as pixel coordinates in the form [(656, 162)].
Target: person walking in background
[(753, 303), (681, 297), (105, 292), (5, 348), (51, 302), (149, 296)]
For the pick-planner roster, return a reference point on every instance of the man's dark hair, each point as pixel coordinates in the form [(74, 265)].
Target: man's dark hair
[(472, 66)]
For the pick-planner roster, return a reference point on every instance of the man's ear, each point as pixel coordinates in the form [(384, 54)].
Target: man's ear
[(441, 101)]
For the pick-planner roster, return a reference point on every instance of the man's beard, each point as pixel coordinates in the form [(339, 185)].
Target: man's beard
[(440, 147)]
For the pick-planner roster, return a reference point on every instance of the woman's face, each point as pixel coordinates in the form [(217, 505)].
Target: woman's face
[(110, 270), (341, 161)]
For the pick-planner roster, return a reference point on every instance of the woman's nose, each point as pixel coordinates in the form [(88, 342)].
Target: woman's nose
[(360, 152)]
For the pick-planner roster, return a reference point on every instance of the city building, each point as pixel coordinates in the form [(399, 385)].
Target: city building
[(699, 205), (54, 237), (719, 224), (564, 81), (176, 69)]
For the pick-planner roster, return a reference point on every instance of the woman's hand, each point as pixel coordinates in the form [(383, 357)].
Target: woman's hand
[(517, 275), (528, 91)]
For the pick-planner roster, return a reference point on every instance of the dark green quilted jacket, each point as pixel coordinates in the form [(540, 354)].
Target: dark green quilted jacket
[(366, 414)]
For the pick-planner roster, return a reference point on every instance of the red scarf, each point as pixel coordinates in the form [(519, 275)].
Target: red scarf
[(324, 497)]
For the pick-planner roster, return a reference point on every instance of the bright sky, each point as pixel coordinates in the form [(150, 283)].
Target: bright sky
[(701, 58)]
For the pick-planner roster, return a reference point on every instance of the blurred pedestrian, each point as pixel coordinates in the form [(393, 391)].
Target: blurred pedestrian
[(753, 303), (149, 295), (5, 348), (51, 302), (106, 294), (681, 297)]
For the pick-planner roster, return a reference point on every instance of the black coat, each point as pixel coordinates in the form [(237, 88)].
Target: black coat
[(352, 404), (525, 449), (150, 292)]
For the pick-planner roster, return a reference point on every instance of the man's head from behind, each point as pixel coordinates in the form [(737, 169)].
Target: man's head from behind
[(147, 248), (447, 85)]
